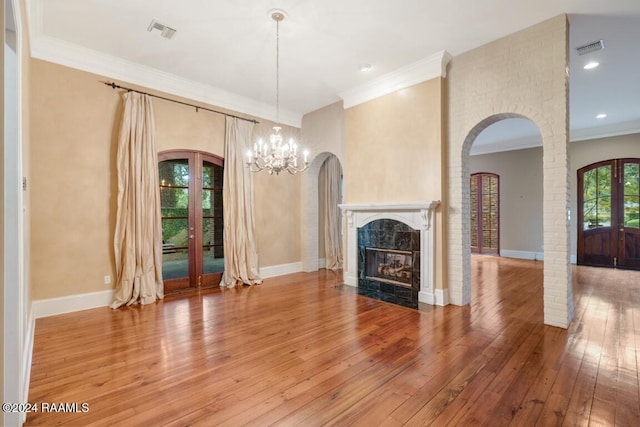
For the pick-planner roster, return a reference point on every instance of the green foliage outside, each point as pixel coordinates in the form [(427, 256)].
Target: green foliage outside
[(632, 195), (597, 184), (597, 197), (174, 202)]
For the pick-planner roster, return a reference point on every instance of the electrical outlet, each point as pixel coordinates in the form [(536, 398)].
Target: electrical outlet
[(107, 280)]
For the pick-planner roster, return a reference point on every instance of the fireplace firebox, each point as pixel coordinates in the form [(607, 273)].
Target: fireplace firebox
[(388, 265)]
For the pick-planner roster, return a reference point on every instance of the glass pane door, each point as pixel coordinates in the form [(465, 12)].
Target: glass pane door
[(629, 227), (212, 256), (608, 200), (192, 227), (176, 223)]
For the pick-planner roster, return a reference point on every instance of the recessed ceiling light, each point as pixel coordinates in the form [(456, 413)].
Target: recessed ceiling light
[(365, 68), (591, 65), (601, 116)]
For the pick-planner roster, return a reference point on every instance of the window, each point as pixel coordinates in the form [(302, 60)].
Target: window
[(485, 209)]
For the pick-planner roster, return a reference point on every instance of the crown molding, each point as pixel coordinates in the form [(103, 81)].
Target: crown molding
[(577, 135), (606, 131), (409, 75), (507, 145), (74, 56)]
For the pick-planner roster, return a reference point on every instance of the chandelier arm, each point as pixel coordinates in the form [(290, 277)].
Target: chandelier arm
[(258, 168), (293, 170)]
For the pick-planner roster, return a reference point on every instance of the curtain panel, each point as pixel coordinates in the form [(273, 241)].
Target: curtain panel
[(138, 232), (330, 192), (240, 248)]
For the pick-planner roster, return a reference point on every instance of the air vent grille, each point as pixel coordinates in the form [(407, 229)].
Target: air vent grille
[(591, 47), (165, 31)]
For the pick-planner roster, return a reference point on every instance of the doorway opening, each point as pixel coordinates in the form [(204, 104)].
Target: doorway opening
[(192, 223)]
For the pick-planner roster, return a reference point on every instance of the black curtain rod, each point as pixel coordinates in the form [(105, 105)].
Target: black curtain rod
[(115, 86)]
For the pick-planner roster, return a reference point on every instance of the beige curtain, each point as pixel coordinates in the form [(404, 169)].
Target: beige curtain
[(138, 234), (240, 249), (330, 193)]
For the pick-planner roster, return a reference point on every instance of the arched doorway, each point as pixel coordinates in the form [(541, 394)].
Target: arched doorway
[(329, 216), (310, 236), (522, 209)]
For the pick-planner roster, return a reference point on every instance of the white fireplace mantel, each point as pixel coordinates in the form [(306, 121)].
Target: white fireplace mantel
[(417, 215)]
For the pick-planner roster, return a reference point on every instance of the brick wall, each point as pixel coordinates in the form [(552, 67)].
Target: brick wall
[(521, 75)]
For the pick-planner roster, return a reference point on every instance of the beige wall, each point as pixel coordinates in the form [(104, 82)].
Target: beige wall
[(323, 135), (520, 174), (584, 153), (73, 187), (74, 126), (393, 146), (277, 200), (394, 152), (323, 131)]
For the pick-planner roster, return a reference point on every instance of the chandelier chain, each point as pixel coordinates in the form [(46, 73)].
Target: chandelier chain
[(277, 71)]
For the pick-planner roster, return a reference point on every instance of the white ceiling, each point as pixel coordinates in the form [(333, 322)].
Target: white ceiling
[(224, 51)]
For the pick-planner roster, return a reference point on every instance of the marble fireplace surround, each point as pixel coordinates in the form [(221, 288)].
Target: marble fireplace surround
[(417, 215)]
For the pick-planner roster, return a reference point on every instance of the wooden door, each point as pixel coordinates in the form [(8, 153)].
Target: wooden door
[(191, 205), (628, 223), (608, 201), (485, 213)]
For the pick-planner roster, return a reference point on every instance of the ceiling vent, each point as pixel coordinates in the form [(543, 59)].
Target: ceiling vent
[(166, 32), (591, 47)]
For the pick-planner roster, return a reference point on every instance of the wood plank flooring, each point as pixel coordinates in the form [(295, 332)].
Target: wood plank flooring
[(299, 350)]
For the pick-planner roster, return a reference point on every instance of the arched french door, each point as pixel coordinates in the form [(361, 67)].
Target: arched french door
[(485, 213), (192, 225), (608, 208)]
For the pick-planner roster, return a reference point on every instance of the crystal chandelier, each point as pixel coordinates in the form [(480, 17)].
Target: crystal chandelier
[(276, 155)]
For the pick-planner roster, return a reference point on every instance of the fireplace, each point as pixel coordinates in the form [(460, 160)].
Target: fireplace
[(388, 265), (387, 271), (389, 252)]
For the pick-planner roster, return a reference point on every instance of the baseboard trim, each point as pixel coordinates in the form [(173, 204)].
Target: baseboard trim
[(537, 256), (442, 297), (54, 306), (27, 357), (280, 270), (426, 298), (68, 304)]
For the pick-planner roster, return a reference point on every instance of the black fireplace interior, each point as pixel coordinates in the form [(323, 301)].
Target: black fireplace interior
[(389, 266), (389, 262)]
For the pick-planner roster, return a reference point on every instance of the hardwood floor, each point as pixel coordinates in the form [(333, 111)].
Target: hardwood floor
[(298, 350)]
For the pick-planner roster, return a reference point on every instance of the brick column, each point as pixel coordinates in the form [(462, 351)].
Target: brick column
[(521, 75)]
